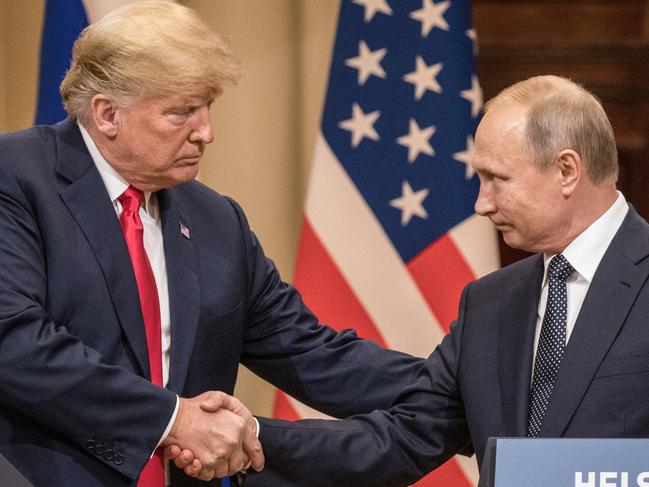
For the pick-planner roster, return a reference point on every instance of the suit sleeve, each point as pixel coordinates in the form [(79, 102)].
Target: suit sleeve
[(425, 428), (48, 374), (335, 372)]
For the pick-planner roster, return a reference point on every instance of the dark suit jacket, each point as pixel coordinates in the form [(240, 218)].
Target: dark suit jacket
[(476, 384), (75, 405)]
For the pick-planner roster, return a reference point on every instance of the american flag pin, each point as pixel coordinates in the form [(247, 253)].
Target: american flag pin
[(184, 231)]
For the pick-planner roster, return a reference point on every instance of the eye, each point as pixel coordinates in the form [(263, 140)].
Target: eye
[(182, 112), (485, 176)]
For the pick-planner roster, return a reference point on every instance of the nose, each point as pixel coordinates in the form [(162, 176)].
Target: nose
[(484, 204), (202, 126)]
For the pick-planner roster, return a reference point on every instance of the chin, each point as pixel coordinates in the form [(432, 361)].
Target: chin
[(172, 182), (187, 174), (520, 244), (513, 241)]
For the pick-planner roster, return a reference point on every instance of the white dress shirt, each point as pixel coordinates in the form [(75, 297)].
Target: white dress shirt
[(584, 254), (153, 245)]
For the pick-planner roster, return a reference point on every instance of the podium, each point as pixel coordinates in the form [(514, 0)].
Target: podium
[(565, 462), (10, 476)]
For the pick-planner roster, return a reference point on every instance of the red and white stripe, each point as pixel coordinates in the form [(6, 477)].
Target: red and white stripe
[(350, 275)]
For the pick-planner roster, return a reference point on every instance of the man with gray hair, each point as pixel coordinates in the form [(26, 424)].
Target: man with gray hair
[(556, 345), (130, 293)]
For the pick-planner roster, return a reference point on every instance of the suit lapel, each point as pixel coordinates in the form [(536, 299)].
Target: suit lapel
[(184, 289), (84, 193), (615, 286), (517, 322)]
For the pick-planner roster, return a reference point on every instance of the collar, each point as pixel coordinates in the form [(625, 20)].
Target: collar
[(586, 251), (114, 181)]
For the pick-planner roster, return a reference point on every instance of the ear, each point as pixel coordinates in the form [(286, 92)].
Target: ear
[(105, 115), (571, 168)]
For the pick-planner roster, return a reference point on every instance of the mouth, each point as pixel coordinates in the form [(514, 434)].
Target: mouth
[(190, 160), (501, 226)]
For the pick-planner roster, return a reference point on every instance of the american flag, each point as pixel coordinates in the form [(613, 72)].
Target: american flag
[(184, 231), (390, 237)]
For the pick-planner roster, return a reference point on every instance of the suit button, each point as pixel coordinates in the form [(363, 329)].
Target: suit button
[(109, 454), (100, 448), (120, 457), (91, 445)]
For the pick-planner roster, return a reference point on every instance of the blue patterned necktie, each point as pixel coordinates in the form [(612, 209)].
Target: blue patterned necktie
[(551, 343)]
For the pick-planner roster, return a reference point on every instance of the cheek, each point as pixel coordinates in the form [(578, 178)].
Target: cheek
[(174, 175), (507, 202), (517, 209), (160, 157)]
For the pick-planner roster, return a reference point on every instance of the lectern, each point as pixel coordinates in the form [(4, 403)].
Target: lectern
[(10, 476), (565, 462)]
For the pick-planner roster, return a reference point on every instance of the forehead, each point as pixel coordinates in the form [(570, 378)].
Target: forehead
[(163, 102), (503, 120), (499, 135)]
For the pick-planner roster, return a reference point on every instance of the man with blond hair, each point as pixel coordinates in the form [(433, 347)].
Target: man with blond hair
[(556, 345), (130, 293)]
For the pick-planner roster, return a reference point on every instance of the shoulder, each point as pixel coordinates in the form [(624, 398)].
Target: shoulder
[(27, 162), (203, 198), (209, 207), (17, 147), (632, 238), (493, 285), (633, 224), (36, 134)]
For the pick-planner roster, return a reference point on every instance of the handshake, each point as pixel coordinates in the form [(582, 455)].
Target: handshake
[(214, 435)]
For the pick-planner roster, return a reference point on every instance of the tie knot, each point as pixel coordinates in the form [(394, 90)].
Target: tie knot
[(560, 268), (131, 199)]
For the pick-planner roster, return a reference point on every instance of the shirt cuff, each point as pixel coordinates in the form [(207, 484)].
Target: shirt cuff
[(258, 426), (169, 425)]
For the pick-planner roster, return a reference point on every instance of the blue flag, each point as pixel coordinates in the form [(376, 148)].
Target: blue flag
[(64, 20)]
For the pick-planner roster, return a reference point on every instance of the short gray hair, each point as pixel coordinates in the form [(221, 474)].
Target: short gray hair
[(146, 49), (564, 115)]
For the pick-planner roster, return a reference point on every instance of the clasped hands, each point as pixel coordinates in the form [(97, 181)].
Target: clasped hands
[(214, 435)]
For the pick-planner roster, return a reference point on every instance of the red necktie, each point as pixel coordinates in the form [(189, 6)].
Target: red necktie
[(153, 474)]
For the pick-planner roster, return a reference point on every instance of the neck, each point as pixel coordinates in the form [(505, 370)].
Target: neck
[(584, 209), (106, 149)]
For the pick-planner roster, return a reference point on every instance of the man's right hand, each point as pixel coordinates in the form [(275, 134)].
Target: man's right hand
[(216, 432)]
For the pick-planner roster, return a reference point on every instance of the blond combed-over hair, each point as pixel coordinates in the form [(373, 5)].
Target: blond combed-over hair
[(146, 49), (564, 115)]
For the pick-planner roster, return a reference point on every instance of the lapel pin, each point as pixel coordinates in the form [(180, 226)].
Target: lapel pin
[(184, 231)]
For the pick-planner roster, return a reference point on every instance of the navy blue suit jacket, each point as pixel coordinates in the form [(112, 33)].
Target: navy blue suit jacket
[(476, 384), (75, 404)]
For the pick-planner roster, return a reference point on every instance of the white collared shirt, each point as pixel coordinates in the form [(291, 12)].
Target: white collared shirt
[(584, 254), (153, 245)]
